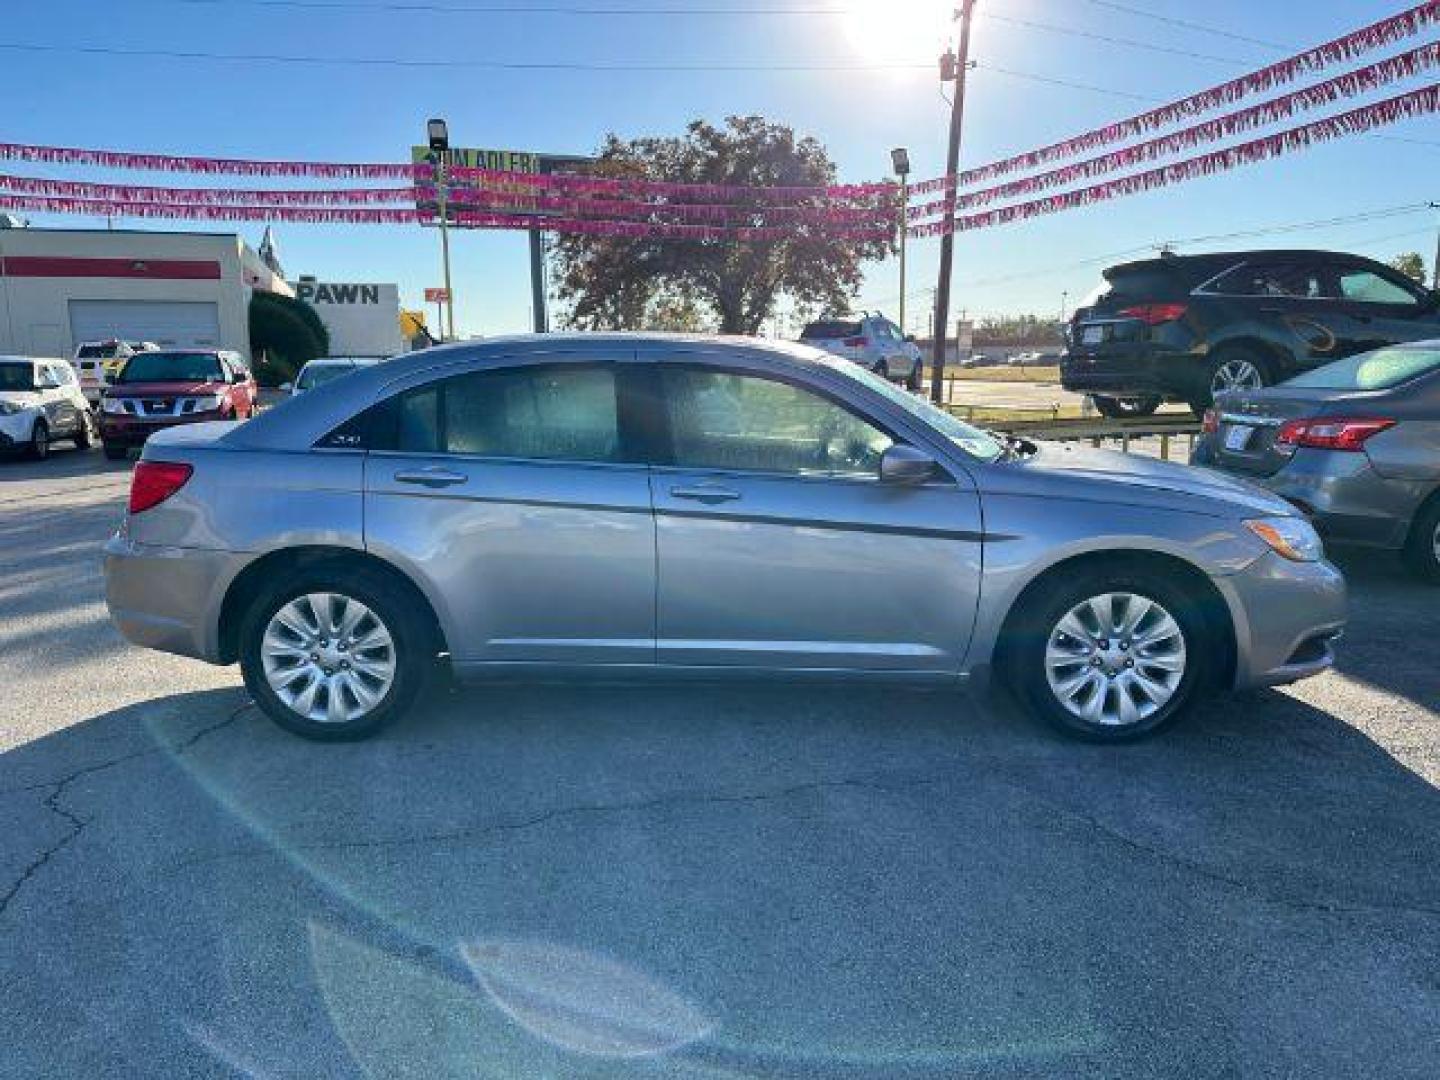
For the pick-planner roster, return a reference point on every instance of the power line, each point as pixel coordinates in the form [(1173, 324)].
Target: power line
[(1073, 32), (1063, 83), (431, 62), (1186, 24), (414, 7)]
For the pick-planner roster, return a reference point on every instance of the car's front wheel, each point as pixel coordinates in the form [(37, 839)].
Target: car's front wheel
[(40, 440), (1112, 657), (85, 433), (335, 656)]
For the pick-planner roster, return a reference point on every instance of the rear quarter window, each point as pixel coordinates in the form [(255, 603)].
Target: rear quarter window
[(822, 331)]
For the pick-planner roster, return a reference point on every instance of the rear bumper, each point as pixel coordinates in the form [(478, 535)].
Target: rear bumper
[(1131, 369), (168, 598), (1287, 617), (1346, 500)]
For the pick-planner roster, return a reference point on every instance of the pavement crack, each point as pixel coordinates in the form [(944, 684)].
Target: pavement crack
[(75, 823)]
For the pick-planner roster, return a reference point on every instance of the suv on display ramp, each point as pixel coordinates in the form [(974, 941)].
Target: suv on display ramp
[(1186, 327), (873, 342)]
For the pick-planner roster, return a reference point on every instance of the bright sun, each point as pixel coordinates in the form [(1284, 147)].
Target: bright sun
[(898, 29)]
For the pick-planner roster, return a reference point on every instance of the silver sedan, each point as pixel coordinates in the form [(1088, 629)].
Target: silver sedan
[(652, 505)]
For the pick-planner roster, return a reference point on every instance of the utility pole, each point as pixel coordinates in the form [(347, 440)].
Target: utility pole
[(1435, 270), (954, 66), (438, 134)]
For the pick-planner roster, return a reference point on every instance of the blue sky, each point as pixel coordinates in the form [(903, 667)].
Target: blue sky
[(340, 112)]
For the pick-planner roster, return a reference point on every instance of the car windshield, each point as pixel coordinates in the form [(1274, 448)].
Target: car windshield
[(17, 377), (171, 367), (98, 352), (319, 374), (972, 440), (1379, 370)]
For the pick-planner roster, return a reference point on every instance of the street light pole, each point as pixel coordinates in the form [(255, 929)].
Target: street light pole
[(438, 133), (956, 66), (900, 159), (1435, 270)]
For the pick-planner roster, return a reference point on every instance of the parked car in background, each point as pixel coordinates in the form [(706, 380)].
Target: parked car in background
[(326, 369), (1354, 444), (158, 390), (1185, 328), (644, 504), (873, 342), (96, 362), (41, 401), (143, 346)]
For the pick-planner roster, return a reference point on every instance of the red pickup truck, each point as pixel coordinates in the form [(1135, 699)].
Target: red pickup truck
[(156, 390)]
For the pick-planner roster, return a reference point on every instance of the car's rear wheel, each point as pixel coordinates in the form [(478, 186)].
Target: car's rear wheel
[(1422, 549), (335, 656), (1232, 369), (917, 375), (40, 440), (1119, 408), (1111, 657)]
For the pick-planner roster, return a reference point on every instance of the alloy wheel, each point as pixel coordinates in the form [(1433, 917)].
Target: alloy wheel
[(1236, 375), (328, 657), (1116, 659)]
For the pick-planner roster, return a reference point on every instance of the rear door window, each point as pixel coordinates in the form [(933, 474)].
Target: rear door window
[(1296, 281)]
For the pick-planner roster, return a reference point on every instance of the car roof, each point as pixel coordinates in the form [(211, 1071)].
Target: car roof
[(23, 360), (1222, 260), (301, 420)]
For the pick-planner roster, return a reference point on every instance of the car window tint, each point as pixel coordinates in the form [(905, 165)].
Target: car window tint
[(553, 413), (720, 420), (1292, 280), (417, 422), (1366, 287), (1378, 370), (828, 329)]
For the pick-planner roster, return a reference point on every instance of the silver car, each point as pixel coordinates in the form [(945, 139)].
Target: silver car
[(873, 342), (655, 505), (1355, 445)]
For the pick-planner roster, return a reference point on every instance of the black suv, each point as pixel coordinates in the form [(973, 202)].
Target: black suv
[(1185, 327)]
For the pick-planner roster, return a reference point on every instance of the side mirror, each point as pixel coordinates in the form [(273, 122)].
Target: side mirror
[(907, 465)]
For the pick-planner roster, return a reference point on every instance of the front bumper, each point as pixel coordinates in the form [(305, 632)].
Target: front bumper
[(1287, 618), (119, 429), (168, 598)]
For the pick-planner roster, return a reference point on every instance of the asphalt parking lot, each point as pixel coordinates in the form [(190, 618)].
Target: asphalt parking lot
[(698, 881)]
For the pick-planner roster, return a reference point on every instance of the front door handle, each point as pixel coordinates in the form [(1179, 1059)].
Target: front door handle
[(711, 496), (431, 478)]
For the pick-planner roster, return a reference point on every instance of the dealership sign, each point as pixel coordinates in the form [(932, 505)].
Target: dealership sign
[(505, 161), (362, 319)]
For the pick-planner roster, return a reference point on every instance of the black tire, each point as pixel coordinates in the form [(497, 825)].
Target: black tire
[(85, 434), (396, 607), (882, 369), (1027, 638), (40, 440), (1422, 549), (116, 453), (1119, 408), (1226, 358), (915, 382)]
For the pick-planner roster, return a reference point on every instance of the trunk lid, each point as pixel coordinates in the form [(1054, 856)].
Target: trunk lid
[(1250, 421)]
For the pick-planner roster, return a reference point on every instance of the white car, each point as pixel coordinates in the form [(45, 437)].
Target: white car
[(100, 361), (324, 369), (41, 401), (873, 342)]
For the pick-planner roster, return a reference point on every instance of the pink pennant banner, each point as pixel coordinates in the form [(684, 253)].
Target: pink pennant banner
[(328, 215), (1423, 102), (1350, 85), (637, 188), (79, 189), (1378, 35)]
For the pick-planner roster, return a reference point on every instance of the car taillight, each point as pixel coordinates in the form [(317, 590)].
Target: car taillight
[(1211, 423), (1332, 433), (155, 481), (1154, 314), (855, 342)]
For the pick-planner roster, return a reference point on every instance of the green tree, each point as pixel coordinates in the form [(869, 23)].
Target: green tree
[(618, 283), (285, 335), (1411, 264)]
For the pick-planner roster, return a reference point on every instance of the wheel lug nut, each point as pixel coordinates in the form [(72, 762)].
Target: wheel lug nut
[(315, 657), (344, 665), (329, 672)]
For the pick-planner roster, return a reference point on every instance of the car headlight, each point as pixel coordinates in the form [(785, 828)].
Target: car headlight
[(112, 405), (1293, 537)]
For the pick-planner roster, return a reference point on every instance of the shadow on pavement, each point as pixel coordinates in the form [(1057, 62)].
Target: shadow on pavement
[(718, 881)]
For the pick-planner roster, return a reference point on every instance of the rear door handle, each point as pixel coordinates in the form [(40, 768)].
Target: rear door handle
[(711, 496), (430, 478)]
